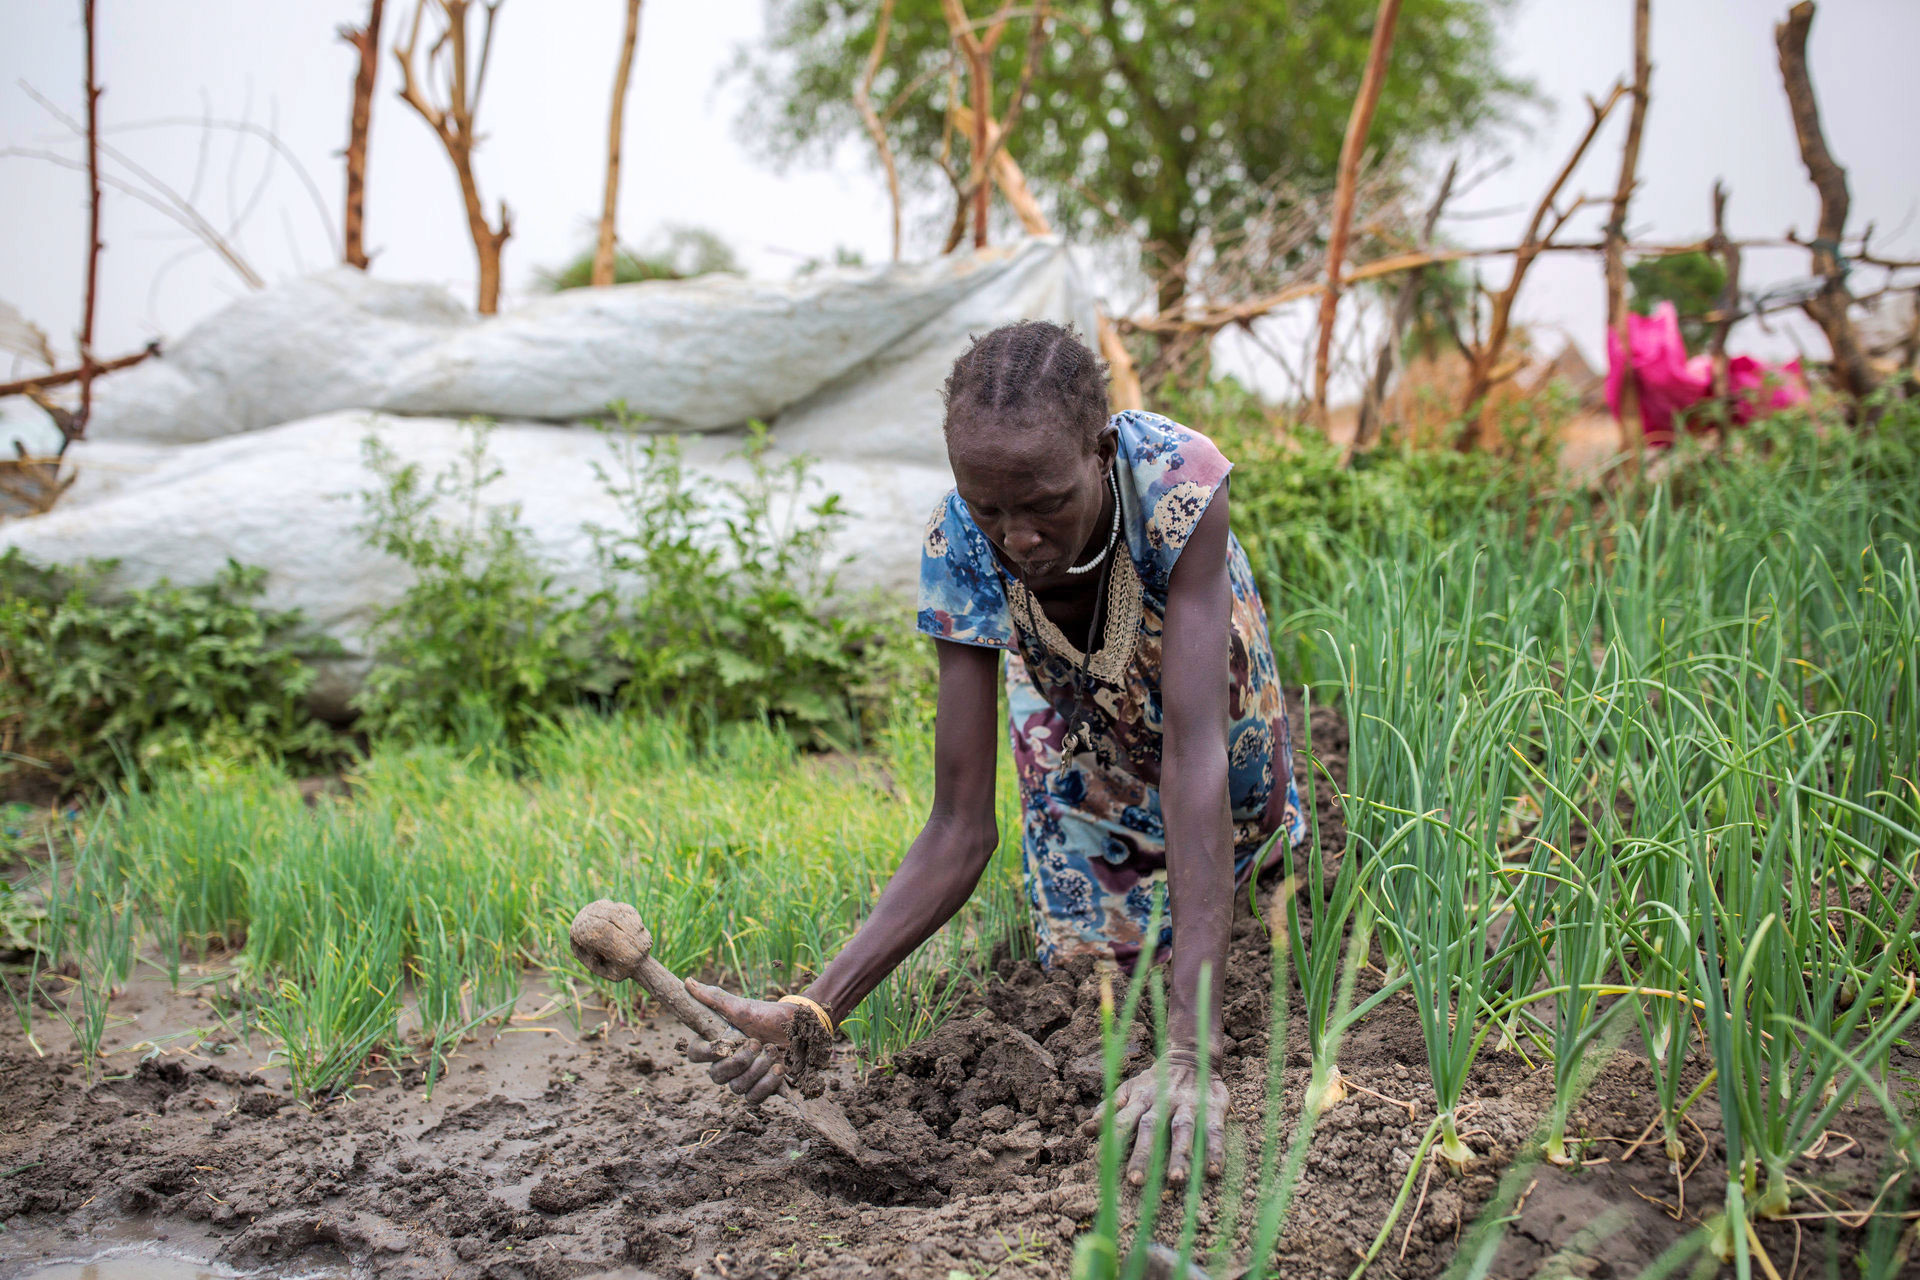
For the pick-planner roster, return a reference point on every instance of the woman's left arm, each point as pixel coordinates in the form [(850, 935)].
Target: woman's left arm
[(1194, 698)]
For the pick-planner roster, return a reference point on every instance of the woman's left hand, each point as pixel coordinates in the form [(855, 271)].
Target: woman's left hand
[(1135, 1109)]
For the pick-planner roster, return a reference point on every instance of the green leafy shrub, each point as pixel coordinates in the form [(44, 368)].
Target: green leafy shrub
[(678, 253), (1296, 509), (484, 644), (718, 601), (93, 680), (727, 602)]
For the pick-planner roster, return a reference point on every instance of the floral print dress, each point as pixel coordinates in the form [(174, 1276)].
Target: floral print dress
[(1094, 844)]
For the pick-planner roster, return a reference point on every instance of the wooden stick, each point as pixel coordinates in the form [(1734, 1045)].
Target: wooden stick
[(1484, 359), (988, 138), (43, 381), (1727, 304), (1851, 369), (602, 272), (74, 426), (366, 41), (1366, 432), (1351, 149), (453, 125), (1632, 435)]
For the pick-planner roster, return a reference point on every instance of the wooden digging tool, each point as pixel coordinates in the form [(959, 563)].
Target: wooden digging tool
[(611, 940)]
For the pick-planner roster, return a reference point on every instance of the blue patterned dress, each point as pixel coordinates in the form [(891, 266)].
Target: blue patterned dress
[(1094, 844)]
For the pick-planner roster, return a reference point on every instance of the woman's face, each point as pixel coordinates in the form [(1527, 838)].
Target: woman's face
[(1037, 492)]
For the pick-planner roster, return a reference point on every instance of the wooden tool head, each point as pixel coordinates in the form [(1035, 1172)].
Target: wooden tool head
[(610, 939)]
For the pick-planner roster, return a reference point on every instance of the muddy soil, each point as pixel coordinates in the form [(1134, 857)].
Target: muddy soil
[(562, 1149)]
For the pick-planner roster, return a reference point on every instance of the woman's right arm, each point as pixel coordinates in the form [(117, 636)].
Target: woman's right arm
[(944, 864), (934, 880)]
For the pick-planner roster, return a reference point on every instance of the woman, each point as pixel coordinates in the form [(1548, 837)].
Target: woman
[(1149, 728)]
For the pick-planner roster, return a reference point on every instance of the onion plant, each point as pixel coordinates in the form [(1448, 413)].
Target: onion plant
[(1800, 992), (1327, 944), (339, 1004), (1096, 1254), (1575, 937), (1438, 881)]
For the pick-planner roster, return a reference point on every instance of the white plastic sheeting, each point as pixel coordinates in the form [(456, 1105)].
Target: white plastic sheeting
[(288, 498), (703, 354), (245, 440)]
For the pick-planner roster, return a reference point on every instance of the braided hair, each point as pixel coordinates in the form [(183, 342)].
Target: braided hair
[(1032, 373)]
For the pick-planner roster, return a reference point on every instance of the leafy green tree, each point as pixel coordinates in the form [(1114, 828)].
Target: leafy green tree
[(1157, 113), (1690, 281)]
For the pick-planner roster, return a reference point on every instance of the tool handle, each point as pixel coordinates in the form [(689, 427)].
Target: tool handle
[(708, 1025), (671, 992)]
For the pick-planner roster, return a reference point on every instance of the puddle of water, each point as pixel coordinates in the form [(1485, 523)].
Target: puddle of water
[(128, 1266), (145, 1264)]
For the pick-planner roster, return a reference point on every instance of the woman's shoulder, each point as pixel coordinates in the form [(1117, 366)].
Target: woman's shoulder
[(951, 533), (1164, 454), (1170, 474), (961, 598)]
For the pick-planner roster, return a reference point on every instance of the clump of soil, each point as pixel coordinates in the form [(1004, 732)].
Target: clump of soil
[(548, 1153)]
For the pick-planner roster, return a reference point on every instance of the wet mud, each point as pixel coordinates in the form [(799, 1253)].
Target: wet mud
[(556, 1149)]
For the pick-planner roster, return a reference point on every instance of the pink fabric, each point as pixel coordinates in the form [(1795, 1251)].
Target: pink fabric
[(1670, 381)]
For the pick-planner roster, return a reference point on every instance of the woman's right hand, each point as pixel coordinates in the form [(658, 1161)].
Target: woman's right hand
[(756, 1069)]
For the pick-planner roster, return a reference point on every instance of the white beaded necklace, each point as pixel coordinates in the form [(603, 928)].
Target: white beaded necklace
[(1113, 534)]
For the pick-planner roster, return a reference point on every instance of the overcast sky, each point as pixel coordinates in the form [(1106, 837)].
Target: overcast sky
[(1717, 111)]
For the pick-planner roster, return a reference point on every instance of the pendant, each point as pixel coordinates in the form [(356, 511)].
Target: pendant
[(1079, 735)]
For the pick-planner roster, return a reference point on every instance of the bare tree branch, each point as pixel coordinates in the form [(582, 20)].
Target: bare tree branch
[(75, 427), (1484, 358), (453, 123), (156, 193), (169, 206), (1632, 436), (602, 273), (366, 42), (207, 125), (1351, 147), (1729, 300), (1828, 309), (1366, 432), (61, 377)]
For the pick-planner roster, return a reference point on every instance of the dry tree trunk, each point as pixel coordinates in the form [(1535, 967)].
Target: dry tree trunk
[(453, 124), (1009, 177), (1366, 433), (1123, 376), (366, 41), (1351, 149), (1726, 306), (1828, 308), (603, 248), (980, 80), (1483, 360), (986, 139), (1632, 436), (978, 55), (1910, 345), (876, 128), (74, 427)]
